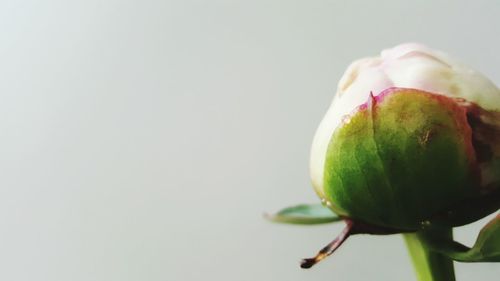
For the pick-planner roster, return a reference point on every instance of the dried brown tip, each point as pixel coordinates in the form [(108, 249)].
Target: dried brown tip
[(330, 248)]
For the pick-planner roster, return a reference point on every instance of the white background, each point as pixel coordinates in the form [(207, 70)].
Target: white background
[(143, 140)]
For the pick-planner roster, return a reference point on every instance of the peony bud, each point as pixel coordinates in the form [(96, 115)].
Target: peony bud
[(410, 135)]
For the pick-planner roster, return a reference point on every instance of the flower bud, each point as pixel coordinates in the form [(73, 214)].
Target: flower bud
[(409, 135)]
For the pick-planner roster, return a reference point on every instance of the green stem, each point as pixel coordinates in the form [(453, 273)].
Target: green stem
[(429, 265)]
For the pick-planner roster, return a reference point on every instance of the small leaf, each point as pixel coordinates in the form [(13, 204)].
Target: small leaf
[(486, 248), (305, 214)]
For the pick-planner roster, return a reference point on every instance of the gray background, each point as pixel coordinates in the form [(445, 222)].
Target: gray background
[(143, 140)]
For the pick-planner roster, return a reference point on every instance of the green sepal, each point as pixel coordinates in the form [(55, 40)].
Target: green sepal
[(401, 159), (471, 209), (485, 249), (305, 214)]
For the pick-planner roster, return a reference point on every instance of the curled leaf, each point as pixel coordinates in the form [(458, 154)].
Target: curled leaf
[(485, 249), (305, 214)]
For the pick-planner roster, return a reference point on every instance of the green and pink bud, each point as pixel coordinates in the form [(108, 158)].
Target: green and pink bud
[(411, 145), (411, 137)]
